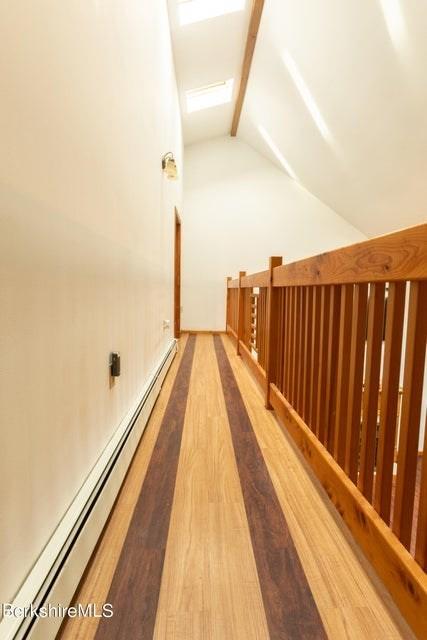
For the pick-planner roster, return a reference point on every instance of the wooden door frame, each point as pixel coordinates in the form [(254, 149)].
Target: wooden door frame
[(177, 275)]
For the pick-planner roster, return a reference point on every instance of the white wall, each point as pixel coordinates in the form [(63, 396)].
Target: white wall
[(239, 209), (88, 106)]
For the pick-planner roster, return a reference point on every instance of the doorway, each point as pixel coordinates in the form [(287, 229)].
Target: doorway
[(177, 277)]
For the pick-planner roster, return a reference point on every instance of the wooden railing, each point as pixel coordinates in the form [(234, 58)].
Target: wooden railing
[(340, 354)]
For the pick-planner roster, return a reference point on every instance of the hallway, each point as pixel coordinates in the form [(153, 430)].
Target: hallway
[(190, 553)]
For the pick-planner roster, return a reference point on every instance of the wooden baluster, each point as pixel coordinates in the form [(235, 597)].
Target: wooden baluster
[(293, 352), (240, 312), (411, 412), (264, 327), (389, 399), (343, 372), (372, 387), (273, 354), (301, 346), (289, 343), (316, 294), (281, 336), (294, 355), (421, 543), (333, 343), (355, 382), (260, 319), (287, 300), (247, 315), (227, 305), (321, 389), (308, 363)]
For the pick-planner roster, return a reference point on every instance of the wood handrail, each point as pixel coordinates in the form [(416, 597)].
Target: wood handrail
[(260, 279), (397, 256)]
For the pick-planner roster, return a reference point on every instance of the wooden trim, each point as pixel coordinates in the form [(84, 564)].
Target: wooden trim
[(403, 577), (260, 279), (254, 23), (177, 275), (396, 256), (256, 369), (208, 332), (231, 332)]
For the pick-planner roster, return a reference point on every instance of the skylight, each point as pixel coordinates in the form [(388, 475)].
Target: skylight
[(196, 10), (275, 149), (209, 96)]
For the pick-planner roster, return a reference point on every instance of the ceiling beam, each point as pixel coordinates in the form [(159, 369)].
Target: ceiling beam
[(254, 22)]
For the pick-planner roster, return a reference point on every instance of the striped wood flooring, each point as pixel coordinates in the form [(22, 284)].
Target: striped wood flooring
[(221, 532)]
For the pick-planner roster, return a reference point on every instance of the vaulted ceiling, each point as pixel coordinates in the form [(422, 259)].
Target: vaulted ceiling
[(337, 98)]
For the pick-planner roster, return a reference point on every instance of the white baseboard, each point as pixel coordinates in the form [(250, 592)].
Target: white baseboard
[(57, 573)]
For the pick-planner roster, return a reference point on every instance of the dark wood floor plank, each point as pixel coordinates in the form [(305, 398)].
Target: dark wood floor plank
[(135, 587), (290, 608)]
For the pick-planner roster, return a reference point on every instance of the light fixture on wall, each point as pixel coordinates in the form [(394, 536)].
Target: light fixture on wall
[(169, 166)]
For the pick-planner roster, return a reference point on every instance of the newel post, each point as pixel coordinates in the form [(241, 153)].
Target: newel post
[(227, 305), (272, 329), (240, 312)]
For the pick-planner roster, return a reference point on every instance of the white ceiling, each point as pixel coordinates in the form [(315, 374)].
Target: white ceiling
[(364, 63), (207, 52)]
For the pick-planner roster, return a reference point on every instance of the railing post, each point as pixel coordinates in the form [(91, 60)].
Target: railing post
[(271, 329), (227, 304), (240, 312)]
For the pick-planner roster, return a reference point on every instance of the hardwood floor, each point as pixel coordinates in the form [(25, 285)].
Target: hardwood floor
[(210, 586)]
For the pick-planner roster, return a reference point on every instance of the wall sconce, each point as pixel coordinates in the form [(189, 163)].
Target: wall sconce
[(169, 166)]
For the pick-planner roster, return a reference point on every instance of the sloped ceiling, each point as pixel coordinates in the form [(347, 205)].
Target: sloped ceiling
[(339, 90)]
